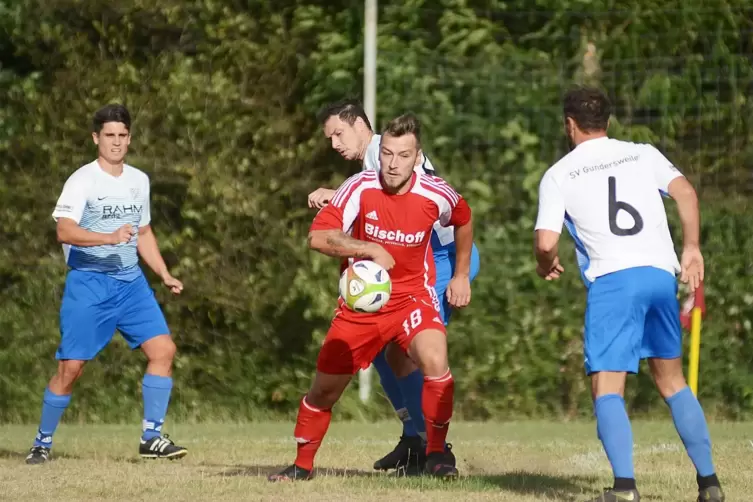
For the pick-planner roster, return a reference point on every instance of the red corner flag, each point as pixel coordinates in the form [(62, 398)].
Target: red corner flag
[(696, 299)]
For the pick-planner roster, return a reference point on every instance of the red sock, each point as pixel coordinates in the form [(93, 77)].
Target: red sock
[(437, 407), (310, 428)]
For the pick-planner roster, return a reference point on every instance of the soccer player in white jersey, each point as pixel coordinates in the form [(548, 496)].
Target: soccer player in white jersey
[(103, 222), (608, 194), (350, 132)]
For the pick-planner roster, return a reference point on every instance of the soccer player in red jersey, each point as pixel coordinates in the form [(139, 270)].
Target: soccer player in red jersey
[(387, 217)]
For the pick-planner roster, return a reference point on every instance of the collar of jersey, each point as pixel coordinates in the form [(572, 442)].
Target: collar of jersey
[(594, 141)]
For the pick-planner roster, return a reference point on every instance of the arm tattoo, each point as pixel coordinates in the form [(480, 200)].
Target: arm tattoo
[(343, 245)]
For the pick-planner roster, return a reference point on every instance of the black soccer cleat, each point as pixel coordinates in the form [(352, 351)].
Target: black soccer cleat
[(38, 455), (161, 447), (612, 495), (711, 494), (410, 453), (291, 473), (418, 468), (441, 465)]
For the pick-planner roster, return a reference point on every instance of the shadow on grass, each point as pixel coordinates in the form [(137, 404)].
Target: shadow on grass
[(266, 470), (21, 455), (560, 487), (564, 488)]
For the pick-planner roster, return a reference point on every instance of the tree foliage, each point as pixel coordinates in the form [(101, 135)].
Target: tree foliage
[(223, 95)]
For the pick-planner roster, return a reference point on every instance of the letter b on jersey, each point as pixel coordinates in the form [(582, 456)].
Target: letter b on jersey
[(614, 208)]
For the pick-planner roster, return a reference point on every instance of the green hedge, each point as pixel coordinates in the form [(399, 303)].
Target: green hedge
[(224, 100)]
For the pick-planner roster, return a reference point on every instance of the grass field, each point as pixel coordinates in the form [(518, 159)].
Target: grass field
[(516, 461)]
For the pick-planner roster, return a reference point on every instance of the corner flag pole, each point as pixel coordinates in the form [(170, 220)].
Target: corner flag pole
[(696, 316), (369, 105)]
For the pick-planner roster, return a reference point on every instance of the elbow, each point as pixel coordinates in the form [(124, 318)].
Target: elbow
[(546, 243), (545, 248), (61, 235), (315, 241)]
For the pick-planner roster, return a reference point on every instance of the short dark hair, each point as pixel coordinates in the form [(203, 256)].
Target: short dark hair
[(111, 113), (588, 107), (407, 123), (347, 110)]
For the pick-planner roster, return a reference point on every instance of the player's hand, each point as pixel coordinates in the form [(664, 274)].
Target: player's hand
[(691, 265), (459, 291), (174, 284), (382, 257), (123, 234), (320, 197), (553, 273)]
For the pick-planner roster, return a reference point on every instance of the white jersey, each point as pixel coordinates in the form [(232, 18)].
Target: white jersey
[(608, 193), (100, 202), (442, 235)]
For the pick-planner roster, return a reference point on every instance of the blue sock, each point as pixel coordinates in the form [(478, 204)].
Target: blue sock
[(412, 387), (392, 389), (156, 391), (690, 423), (53, 406), (613, 426)]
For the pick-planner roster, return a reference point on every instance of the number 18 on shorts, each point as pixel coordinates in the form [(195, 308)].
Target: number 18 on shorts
[(354, 339)]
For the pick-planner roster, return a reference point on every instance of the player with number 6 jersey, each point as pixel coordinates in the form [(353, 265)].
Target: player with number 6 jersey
[(387, 217), (608, 194)]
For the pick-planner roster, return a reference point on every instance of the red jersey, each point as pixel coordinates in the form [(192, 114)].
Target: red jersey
[(402, 224)]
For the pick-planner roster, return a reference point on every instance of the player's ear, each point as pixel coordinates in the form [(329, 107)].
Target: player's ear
[(95, 138), (419, 158)]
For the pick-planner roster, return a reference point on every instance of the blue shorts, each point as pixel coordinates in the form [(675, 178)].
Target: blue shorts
[(631, 315), (444, 263), (95, 305)]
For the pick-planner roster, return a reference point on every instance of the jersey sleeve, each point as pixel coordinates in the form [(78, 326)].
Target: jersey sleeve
[(453, 208), (371, 158), (146, 209), (551, 214), (72, 200), (661, 167), (344, 207)]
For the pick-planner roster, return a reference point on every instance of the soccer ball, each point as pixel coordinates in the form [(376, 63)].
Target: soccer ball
[(365, 286)]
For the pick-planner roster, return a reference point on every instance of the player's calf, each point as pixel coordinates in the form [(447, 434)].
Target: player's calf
[(429, 349), (689, 421), (314, 416)]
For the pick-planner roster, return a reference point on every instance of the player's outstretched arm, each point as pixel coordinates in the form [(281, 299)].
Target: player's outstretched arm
[(150, 253), (68, 232), (691, 262), (338, 244)]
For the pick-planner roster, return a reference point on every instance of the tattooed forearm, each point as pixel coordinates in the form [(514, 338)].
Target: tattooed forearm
[(339, 244)]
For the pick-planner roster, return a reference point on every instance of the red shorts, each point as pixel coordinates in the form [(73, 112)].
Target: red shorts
[(354, 339)]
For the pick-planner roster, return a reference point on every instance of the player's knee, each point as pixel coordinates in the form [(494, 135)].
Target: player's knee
[(160, 349), (433, 361), (429, 350), (326, 390), (668, 376), (68, 372), (322, 397)]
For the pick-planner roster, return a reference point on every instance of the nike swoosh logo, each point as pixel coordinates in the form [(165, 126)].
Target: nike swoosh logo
[(101, 198)]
